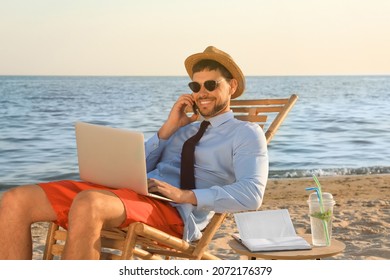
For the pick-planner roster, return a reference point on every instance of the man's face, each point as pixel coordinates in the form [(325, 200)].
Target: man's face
[(216, 102)]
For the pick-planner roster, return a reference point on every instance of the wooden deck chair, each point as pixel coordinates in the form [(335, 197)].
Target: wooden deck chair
[(145, 242)]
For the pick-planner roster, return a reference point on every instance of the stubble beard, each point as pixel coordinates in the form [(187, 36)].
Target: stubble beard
[(216, 110)]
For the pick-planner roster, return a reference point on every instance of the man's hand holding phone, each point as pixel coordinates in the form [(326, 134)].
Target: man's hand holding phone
[(178, 116)]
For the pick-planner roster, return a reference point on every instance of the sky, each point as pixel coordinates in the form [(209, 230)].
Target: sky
[(153, 37)]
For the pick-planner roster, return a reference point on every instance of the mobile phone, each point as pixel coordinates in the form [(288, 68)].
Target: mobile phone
[(195, 108)]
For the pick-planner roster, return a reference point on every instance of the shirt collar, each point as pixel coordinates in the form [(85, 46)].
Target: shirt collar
[(220, 119)]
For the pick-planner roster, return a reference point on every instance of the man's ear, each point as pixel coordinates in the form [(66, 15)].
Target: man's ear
[(233, 86)]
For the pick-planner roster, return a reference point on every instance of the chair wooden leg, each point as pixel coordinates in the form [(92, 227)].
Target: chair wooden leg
[(50, 241), (129, 243)]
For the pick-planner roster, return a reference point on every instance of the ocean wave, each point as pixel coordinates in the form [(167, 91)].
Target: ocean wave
[(300, 173)]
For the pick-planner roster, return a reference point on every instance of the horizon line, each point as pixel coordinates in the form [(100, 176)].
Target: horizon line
[(271, 75)]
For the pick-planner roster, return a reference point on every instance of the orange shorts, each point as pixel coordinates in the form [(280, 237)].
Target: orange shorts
[(139, 208)]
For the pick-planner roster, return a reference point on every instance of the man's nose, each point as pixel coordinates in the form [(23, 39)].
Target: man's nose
[(203, 91)]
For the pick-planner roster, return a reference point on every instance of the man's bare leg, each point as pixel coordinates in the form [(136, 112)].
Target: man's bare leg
[(19, 208), (89, 213)]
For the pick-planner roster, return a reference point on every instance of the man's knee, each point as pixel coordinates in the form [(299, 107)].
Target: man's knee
[(29, 202), (15, 199), (87, 204), (97, 207)]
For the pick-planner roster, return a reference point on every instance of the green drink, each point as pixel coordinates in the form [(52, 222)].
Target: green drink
[(321, 218)]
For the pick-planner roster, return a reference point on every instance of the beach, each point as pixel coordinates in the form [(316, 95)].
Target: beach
[(361, 215)]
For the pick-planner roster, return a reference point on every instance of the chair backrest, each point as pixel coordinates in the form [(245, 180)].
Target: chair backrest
[(268, 113)]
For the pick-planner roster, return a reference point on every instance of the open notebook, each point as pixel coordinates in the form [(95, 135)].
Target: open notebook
[(270, 230)]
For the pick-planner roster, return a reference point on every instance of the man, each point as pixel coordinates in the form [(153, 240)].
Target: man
[(230, 174)]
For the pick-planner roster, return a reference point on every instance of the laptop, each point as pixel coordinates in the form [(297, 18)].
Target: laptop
[(112, 157)]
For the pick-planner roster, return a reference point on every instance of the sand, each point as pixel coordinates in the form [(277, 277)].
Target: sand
[(361, 215)]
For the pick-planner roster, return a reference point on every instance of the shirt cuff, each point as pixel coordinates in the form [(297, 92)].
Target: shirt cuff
[(205, 199)]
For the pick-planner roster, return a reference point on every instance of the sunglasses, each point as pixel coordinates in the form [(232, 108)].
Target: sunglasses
[(209, 85)]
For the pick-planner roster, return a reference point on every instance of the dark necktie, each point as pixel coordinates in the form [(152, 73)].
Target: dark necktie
[(188, 158)]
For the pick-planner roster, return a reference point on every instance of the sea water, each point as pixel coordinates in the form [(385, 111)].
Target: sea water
[(339, 125)]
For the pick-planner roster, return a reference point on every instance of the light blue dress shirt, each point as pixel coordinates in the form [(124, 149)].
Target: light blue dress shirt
[(231, 168)]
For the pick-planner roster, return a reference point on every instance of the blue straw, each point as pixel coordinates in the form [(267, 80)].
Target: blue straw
[(316, 190)]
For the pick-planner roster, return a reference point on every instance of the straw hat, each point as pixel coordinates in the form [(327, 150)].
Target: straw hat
[(225, 59)]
